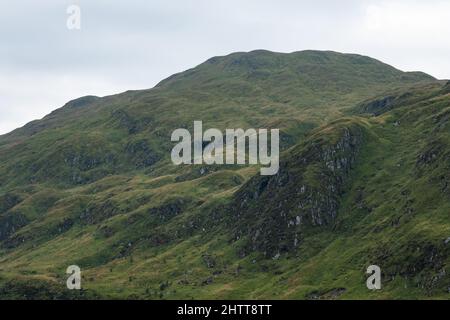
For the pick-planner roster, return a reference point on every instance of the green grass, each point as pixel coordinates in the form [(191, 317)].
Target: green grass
[(92, 184)]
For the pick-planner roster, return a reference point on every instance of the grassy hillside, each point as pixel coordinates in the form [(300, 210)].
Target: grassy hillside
[(363, 180)]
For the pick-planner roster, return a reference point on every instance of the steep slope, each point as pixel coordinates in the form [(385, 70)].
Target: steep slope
[(91, 137), (92, 184), (274, 210)]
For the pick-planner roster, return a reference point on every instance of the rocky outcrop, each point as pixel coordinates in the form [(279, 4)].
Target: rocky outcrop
[(271, 213), (8, 201), (10, 223), (141, 154), (422, 261), (378, 106), (131, 124)]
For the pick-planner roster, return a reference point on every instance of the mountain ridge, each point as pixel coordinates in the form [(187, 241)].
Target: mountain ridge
[(359, 168), (422, 75)]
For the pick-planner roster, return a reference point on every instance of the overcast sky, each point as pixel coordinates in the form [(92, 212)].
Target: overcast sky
[(133, 44)]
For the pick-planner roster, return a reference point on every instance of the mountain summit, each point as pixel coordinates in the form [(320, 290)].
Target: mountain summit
[(363, 180)]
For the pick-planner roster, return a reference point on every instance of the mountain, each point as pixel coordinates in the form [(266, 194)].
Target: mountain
[(363, 180)]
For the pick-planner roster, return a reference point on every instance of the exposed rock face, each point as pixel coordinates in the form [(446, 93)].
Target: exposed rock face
[(141, 153), (8, 201), (273, 211), (421, 260), (446, 88), (378, 106), (10, 223), (132, 125), (170, 209)]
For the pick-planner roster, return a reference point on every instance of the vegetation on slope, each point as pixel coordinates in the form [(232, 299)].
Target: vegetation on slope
[(363, 180)]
